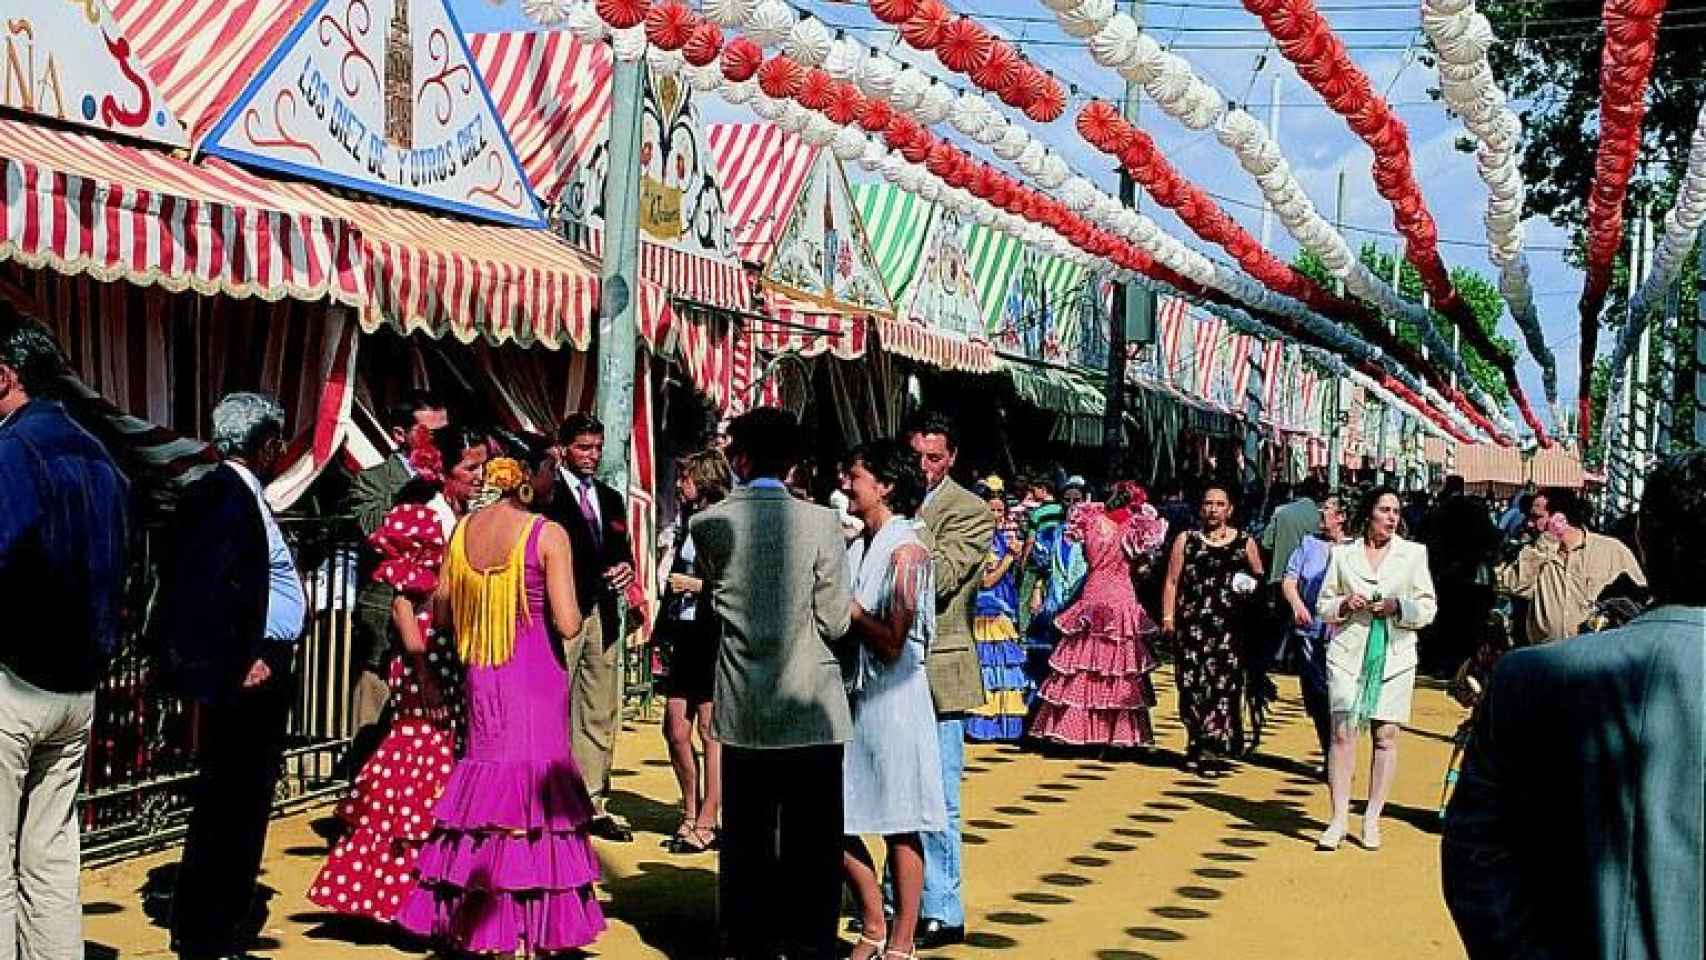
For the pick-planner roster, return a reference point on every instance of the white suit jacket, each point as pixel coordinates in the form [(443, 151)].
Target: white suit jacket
[(1403, 576)]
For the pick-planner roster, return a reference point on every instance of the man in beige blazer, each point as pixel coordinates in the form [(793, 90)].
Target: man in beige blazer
[(960, 530), (775, 570)]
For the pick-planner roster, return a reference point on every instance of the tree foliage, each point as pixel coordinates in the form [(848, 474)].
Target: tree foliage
[(1479, 292), (1548, 64)]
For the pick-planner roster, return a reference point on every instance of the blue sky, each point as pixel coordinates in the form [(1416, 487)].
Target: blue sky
[(1225, 43)]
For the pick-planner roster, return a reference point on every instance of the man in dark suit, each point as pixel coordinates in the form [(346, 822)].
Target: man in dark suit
[(596, 518), (372, 494), (1578, 828), (228, 610), (775, 570)]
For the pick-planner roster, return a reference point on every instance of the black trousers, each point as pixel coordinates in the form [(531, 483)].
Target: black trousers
[(779, 883), (241, 743)]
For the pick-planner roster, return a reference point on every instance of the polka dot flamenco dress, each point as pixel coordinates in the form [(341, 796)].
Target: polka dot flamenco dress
[(388, 815)]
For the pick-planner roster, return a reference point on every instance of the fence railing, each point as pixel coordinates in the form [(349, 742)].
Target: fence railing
[(140, 766)]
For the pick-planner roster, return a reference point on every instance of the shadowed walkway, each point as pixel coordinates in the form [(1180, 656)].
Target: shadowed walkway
[(1065, 858)]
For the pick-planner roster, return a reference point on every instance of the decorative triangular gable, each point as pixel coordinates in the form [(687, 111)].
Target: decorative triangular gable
[(380, 96), (71, 61), (944, 293), (822, 255)]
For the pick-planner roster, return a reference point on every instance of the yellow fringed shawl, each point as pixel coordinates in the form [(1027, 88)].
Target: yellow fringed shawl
[(484, 603)]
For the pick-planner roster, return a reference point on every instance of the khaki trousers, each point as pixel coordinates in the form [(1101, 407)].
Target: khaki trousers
[(43, 736), (595, 704)]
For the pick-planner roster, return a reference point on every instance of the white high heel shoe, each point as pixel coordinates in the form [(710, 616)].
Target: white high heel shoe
[(1330, 838)]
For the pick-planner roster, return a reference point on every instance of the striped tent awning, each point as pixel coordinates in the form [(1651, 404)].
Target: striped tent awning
[(938, 348), (1553, 466), (793, 327), (1057, 390), (897, 223), (763, 168), (553, 93), (82, 204), (200, 53), (994, 257)]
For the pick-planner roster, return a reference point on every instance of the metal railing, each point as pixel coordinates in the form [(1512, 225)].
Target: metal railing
[(140, 766)]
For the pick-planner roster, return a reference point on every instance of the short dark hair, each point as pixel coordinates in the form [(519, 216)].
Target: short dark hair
[(453, 440), (28, 347), (769, 439), (1569, 503), (1312, 488), (1453, 486), (893, 463), (579, 424), (926, 422), (1672, 522), (401, 415), (530, 449)]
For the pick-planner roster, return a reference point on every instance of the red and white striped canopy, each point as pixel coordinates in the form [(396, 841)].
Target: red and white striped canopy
[(552, 92), (800, 328), (938, 348), (763, 168), (83, 204), (200, 53)]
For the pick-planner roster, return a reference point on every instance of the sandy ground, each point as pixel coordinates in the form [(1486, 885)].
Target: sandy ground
[(1063, 859)]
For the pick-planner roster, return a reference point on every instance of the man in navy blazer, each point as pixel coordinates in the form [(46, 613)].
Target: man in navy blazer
[(228, 610), (1579, 824)]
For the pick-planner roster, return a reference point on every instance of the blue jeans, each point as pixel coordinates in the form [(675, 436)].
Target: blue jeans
[(941, 900), (942, 850)]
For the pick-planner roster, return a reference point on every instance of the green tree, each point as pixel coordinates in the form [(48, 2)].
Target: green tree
[(1548, 61), (1480, 293)]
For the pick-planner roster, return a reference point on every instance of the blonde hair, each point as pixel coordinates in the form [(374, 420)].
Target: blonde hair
[(709, 472)]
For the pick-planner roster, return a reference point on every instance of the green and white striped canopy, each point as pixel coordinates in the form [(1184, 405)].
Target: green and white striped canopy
[(897, 224)]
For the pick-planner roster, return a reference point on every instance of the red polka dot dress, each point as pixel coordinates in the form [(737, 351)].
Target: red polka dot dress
[(388, 814)]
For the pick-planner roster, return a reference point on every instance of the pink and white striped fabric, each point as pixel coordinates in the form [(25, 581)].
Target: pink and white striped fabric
[(554, 94), (763, 168), (795, 327), (941, 349), (1273, 373), (83, 204), (200, 53), (1205, 345), (1238, 371), (687, 276)]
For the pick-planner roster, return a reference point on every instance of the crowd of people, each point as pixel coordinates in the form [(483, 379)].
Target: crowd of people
[(823, 666)]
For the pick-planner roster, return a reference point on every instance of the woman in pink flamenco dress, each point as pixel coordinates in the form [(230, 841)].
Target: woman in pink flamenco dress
[(509, 867), (1098, 692)]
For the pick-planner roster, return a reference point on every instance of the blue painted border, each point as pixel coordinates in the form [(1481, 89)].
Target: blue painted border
[(212, 145)]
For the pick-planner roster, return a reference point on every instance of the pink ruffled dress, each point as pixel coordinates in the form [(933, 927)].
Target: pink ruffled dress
[(509, 866), (1099, 691)]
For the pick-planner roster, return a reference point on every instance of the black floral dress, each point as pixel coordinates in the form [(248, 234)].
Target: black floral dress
[(1210, 667)]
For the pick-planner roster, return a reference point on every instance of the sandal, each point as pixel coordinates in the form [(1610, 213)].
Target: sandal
[(911, 955), (695, 840), (865, 941), (682, 832)]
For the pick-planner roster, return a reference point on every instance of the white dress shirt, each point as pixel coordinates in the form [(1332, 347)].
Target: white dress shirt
[(286, 603)]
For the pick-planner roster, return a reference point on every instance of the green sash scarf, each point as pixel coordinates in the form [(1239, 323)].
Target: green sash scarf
[(1373, 672)]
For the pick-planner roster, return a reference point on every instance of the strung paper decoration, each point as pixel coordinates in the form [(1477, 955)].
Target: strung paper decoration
[(809, 42), (894, 12), (728, 13), (925, 28), (549, 13), (964, 45), (780, 77), (622, 14), (741, 59), (770, 22), (669, 25), (1631, 38), (702, 47)]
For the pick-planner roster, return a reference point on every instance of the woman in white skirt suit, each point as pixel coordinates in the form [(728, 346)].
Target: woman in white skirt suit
[(1376, 596)]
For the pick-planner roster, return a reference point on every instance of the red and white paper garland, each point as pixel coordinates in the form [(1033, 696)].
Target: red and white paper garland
[(1631, 39)]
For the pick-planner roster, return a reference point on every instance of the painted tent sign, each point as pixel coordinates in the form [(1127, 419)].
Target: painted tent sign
[(944, 295), (1047, 305), (380, 96), (69, 60), (681, 199), (822, 255)]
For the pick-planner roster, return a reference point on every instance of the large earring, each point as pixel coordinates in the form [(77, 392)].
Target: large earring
[(524, 494)]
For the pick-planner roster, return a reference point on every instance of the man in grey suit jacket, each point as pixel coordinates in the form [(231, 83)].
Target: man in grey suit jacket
[(960, 530), (1577, 827), (775, 570)]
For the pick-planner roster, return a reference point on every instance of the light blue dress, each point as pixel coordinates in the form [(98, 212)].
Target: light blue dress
[(892, 771)]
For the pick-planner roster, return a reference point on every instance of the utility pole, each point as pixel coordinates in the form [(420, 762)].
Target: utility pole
[(618, 304), (1133, 307), (1335, 439), (1700, 343), (1641, 387), (1273, 134)]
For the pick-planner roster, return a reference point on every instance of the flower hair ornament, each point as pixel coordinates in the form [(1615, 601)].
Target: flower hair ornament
[(505, 475), (424, 457)]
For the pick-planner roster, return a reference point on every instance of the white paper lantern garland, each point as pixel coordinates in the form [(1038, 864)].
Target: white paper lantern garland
[(1461, 36)]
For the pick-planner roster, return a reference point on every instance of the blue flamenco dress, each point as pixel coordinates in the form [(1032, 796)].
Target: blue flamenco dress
[(1008, 689)]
